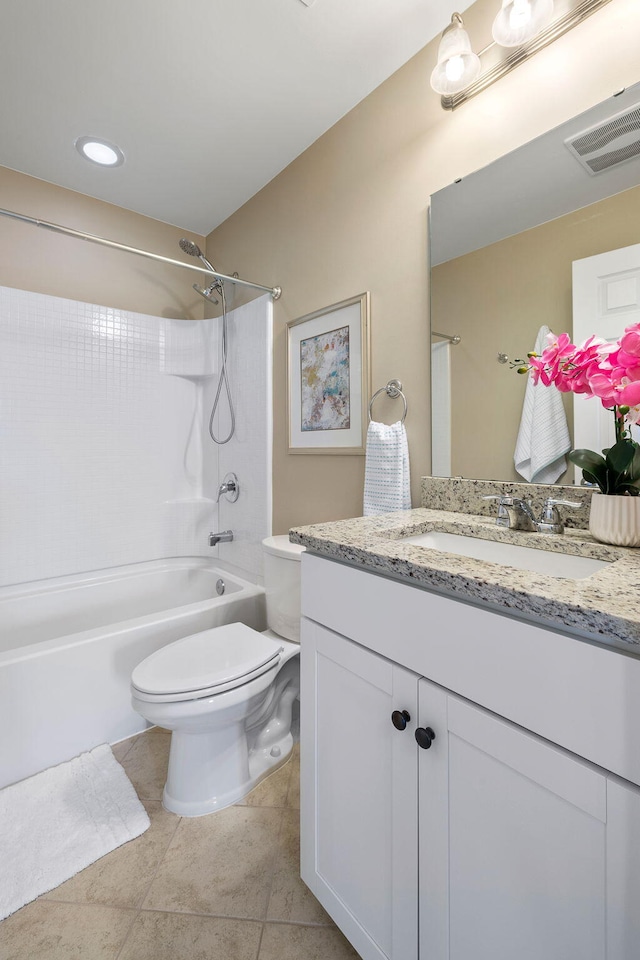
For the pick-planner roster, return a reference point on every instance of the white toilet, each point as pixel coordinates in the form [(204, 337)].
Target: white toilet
[(227, 694)]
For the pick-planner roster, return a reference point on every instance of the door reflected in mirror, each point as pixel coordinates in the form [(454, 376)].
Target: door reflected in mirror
[(502, 246)]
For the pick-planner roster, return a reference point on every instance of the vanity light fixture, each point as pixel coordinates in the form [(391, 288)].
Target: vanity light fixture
[(521, 28), (521, 20), (458, 65), (99, 151)]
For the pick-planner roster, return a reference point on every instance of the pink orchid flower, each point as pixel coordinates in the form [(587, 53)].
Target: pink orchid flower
[(596, 368), (548, 366), (630, 340), (634, 415)]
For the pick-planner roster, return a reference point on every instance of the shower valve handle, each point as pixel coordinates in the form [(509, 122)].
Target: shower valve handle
[(229, 488)]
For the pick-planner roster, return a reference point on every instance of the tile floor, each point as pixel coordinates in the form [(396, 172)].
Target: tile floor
[(221, 887)]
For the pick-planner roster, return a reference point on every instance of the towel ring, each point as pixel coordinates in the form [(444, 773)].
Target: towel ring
[(393, 389)]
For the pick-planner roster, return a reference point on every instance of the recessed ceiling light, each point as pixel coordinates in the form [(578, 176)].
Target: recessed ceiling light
[(100, 151)]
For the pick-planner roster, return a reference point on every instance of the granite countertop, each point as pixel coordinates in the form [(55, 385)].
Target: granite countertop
[(602, 607)]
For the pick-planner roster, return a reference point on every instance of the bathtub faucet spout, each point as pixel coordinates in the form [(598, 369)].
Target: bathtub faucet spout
[(225, 537)]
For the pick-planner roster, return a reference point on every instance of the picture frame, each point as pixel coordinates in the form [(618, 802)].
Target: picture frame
[(328, 379)]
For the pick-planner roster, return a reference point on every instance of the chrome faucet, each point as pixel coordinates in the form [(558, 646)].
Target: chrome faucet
[(225, 537), (514, 513), (551, 521)]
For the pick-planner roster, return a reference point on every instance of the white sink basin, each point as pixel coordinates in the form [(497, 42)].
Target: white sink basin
[(563, 565)]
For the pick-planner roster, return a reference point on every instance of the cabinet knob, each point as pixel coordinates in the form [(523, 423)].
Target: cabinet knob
[(425, 736), (400, 719)]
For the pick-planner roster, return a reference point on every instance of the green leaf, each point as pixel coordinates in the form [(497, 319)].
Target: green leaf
[(620, 455), (617, 472), (601, 478), (587, 459), (634, 469), (594, 467), (633, 489)]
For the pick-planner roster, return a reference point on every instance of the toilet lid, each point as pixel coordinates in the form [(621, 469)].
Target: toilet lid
[(281, 546), (222, 657)]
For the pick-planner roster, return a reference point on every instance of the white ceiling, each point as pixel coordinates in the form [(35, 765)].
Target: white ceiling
[(208, 99)]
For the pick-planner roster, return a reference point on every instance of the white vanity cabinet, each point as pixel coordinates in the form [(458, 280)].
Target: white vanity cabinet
[(491, 841), (359, 823), (512, 842)]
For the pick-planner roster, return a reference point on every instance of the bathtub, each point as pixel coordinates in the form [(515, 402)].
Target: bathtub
[(68, 646)]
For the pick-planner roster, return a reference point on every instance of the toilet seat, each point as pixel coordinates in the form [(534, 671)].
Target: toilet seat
[(205, 664)]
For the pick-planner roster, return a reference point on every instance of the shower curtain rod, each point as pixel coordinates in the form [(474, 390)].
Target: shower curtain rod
[(57, 228), (447, 336)]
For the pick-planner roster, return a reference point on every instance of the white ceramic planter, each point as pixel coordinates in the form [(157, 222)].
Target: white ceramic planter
[(615, 519)]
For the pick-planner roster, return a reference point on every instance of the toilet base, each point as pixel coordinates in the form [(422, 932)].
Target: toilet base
[(199, 802), (209, 769), (224, 744)]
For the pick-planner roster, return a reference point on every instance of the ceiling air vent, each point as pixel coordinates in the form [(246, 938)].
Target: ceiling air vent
[(609, 143)]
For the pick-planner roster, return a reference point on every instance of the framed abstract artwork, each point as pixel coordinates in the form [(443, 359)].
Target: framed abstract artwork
[(328, 380)]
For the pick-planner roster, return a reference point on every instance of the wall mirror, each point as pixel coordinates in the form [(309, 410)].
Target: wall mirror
[(502, 244)]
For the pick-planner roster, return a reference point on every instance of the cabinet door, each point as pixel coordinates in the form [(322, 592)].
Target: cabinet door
[(623, 870), (512, 841), (359, 793)]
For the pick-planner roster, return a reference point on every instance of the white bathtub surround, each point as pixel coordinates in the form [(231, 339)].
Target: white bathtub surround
[(248, 453), (104, 417), (71, 643), (97, 435), (58, 822)]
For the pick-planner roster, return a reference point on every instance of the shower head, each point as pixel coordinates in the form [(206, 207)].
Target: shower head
[(188, 246), (194, 251), (207, 293)]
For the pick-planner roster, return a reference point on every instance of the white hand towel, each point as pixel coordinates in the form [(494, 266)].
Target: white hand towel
[(543, 438), (386, 472)]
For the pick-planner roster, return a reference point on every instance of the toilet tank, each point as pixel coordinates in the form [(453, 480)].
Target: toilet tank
[(282, 586)]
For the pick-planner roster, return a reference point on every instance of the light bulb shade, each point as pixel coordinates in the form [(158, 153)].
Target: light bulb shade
[(458, 65), (520, 21)]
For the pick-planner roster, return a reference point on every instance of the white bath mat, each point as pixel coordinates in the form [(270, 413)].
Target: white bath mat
[(61, 820)]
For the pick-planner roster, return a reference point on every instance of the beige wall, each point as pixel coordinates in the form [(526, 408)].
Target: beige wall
[(497, 299), (35, 259), (350, 214)]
